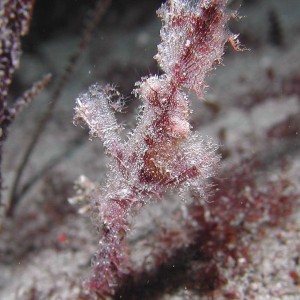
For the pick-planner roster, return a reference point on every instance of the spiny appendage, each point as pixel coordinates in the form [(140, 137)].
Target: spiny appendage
[(93, 108)]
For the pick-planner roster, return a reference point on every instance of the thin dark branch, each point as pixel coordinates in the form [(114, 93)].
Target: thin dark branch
[(29, 95), (15, 19), (72, 146)]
